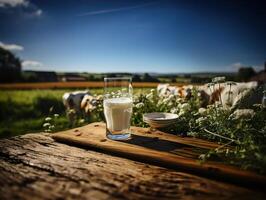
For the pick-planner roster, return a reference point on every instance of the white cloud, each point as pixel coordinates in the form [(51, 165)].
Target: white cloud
[(237, 65), (13, 3), (21, 6), (11, 47), (38, 12), (31, 64)]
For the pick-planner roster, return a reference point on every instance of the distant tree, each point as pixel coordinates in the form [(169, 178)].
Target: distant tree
[(196, 79), (245, 73), (149, 78), (136, 78), (173, 79), (10, 67), (109, 75), (29, 77), (91, 78)]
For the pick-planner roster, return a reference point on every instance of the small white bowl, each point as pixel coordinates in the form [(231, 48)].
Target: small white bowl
[(160, 120)]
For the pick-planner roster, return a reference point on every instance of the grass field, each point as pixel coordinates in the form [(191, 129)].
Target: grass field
[(73, 85), (24, 111)]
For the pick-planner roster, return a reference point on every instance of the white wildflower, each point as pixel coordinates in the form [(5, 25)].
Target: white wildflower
[(152, 90), (185, 106), (202, 111), (243, 113), (181, 112), (170, 103), (46, 125), (56, 115), (71, 112), (200, 120), (178, 99), (171, 96), (165, 100), (149, 96), (81, 121), (139, 105), (48, 119), (174, 110)]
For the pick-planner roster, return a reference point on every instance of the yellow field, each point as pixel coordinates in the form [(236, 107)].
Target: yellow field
[(61, 85)]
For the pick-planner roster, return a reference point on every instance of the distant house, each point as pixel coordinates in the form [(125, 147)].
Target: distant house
[(44, 76), (71, 77)]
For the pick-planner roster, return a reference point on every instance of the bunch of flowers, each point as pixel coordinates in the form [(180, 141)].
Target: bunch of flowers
[(241, 132)]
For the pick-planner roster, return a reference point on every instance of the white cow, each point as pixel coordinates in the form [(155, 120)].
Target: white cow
[(166, 90), (72, 100), (90, 102), (230, 96), (241, 94), (162, 89)]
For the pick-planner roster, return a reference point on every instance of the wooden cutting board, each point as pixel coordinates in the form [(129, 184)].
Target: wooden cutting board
[(162, 149)]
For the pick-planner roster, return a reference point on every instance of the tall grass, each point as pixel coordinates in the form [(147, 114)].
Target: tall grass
[(24, 111)]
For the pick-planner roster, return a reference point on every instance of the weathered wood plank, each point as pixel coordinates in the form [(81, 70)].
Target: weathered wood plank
[(160, 149), (34, 166)]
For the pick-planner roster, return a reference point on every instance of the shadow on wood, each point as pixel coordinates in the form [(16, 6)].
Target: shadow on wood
[(145, 147)]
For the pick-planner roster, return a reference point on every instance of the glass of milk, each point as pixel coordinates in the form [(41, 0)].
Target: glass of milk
[(118, 103)]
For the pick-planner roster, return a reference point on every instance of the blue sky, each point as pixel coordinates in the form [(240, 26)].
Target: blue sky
[(135, 36)]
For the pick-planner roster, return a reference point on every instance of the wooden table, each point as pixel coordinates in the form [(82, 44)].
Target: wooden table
[(35, 166)]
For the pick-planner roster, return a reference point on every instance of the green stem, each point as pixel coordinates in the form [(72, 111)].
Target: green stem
[(215, 134)]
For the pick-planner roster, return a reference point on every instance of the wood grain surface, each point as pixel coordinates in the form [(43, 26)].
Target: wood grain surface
[(34, 166), (160, 149)]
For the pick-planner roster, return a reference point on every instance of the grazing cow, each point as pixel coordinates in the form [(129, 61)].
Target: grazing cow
[(209, 95), (231, 95), (72, 100), (89, 103), (162, 89), (242, 95), (186, 91), (166, 90)]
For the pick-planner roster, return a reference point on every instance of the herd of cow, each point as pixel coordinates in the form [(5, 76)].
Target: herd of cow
[(231, 94)]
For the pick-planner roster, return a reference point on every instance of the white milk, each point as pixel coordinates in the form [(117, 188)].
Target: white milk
[(117, 113)]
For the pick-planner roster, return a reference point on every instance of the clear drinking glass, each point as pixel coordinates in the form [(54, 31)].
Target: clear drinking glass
[(118, 103)]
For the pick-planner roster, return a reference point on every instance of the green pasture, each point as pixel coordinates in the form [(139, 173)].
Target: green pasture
[(24, 111)]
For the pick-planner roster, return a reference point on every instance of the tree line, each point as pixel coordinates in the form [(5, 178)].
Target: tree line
[(11, 71)]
